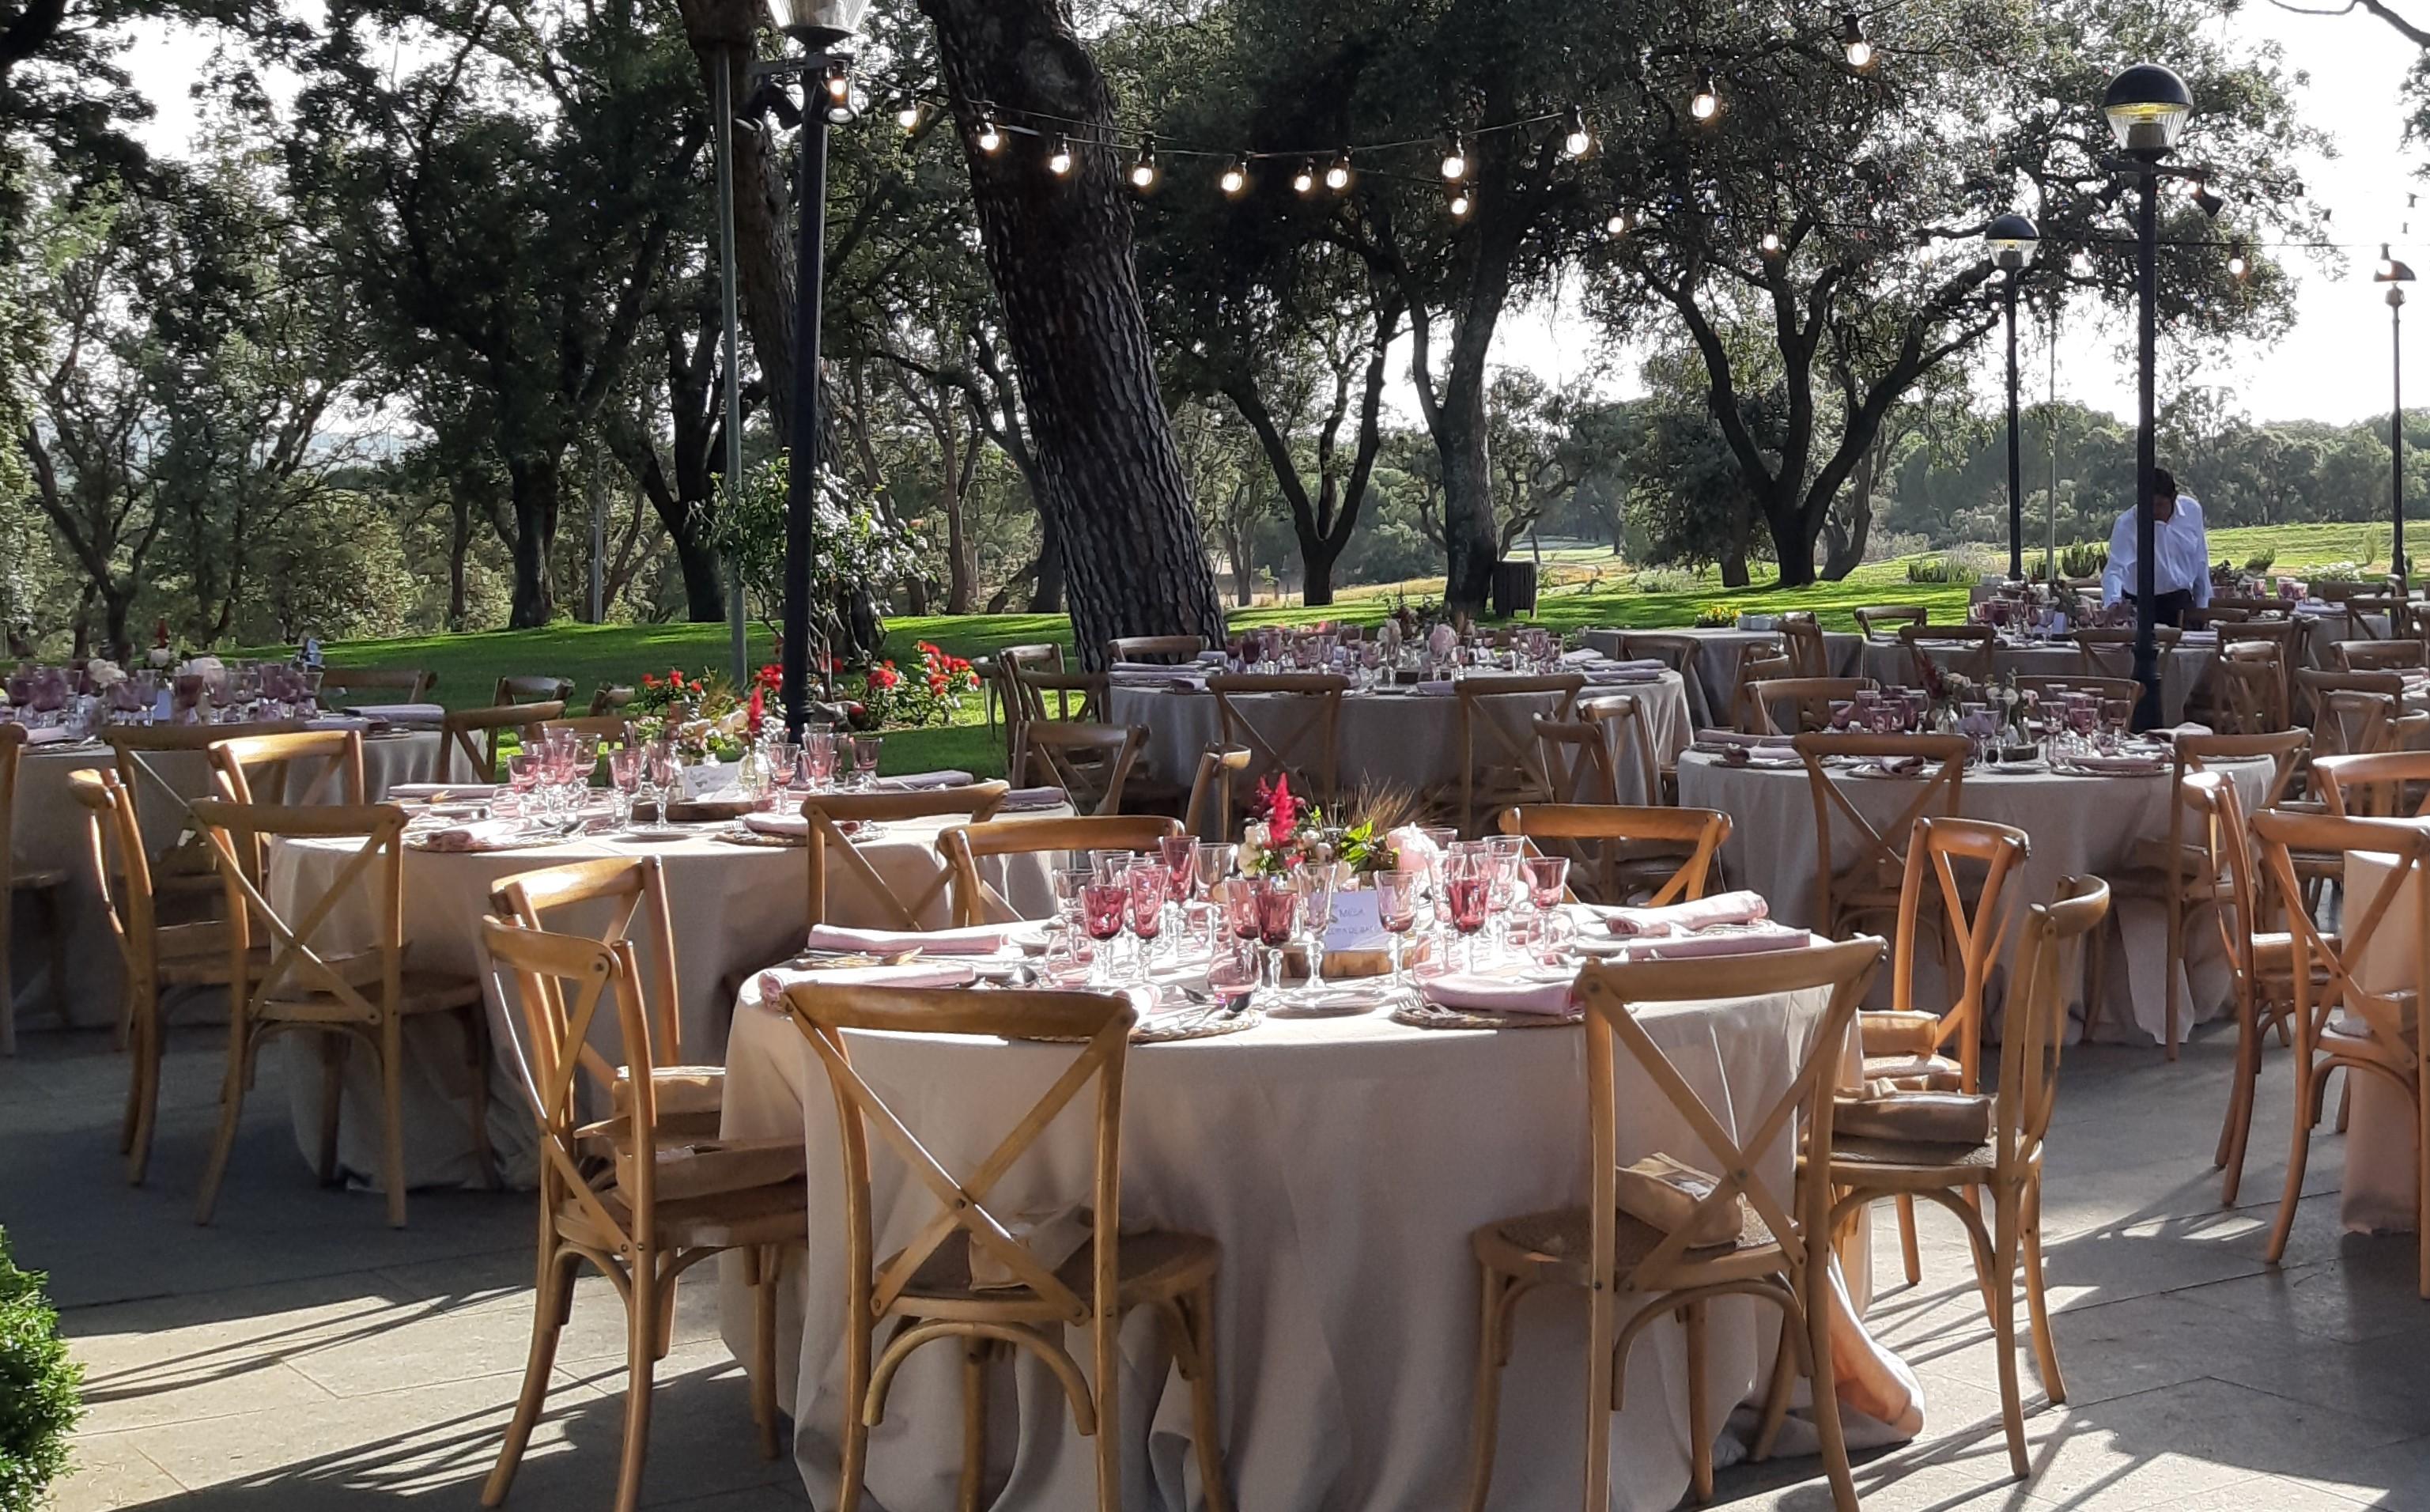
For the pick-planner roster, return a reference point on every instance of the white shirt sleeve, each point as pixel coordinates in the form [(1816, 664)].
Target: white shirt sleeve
[(2190, 518), (2122, 558)]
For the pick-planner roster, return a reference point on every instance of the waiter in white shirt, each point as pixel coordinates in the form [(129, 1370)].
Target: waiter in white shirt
[(2181, 562)]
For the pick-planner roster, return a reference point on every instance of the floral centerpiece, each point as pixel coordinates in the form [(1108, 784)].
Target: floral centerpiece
[(1282, 831), (705, 716), (1716, 616)]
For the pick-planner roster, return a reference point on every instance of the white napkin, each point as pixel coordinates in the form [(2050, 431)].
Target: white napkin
[(481, 835), (419, 791), (776, 822), (1028, 800), (774, 981), (978, 940), (1742, 907), (403, 713), (924, 781), (1475, 992)]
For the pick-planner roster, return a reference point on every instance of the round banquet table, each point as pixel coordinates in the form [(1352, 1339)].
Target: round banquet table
[(2378, 1192), (2078, 825), (1342, 1163), (52, 834), (2184, 670), (735, 909), (1712, 694), (1407, 738)]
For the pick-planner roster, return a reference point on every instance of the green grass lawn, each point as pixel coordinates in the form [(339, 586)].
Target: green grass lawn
[(1584, 587)]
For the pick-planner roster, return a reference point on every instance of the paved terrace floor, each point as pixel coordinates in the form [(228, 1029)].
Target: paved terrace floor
[(300, 1355)]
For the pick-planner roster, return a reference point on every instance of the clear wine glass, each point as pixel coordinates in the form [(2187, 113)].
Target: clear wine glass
[(666, 771), (865, 749), (1396, 909), (1212, 860), (1277, 910), (625, 775), (1148, 882), (522, 777), (1548, 881), (1232, 976), (1315, 884)]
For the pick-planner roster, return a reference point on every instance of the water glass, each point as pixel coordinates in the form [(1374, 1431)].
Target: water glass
[(625, 775), (1213, 862), (1103, 906), (1232, 976), (1277, 905), (1147, 882), (1396, 907), (1315, 884), (865, 750)]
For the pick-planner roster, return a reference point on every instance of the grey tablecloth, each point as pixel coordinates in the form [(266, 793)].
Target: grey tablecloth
[(1712, 694), (2183, 670)]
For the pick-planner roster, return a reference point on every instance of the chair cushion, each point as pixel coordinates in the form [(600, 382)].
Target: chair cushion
[(677, 1090), (1920, 1073), (1902, 1033), (710, 1166), (1664, 1194), (1929, 1118)]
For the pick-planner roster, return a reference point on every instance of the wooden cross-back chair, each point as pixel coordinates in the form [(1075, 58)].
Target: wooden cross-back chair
[(599, 727), (2110, 653), (1681, 654), (157, 957), (1882, 622), (1801, 637), (833, 855), (2178, 870), (1579, 762), (1166, 649), (999, 685), (2351, 713), (184, 872), (2376, 655), (1624, 853), (1753, 668), (2380, 1033), (2395, 613), (2007, 1167), (1090, 762), (1779, 1248), (975, 899), (1628, 732), (269, 768), (2377, 785), (609, 698), (1807, 701), (928, 1289), (46, 888), (2249, 690), (1498, 763), (410, 684), (1294, 726), (1967, 650), (1219, 769), (669, 1199), (1869, 887), (351, 994), (472, 734), (533, 690), (2050, 685)]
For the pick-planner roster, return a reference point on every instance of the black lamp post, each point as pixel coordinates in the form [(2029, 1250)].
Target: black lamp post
[(2147, 107), (2012, 239), (2396, 275), (831, 98)]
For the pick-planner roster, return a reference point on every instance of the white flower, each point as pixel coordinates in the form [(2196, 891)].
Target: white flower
[(104, 673), (1442, 641)]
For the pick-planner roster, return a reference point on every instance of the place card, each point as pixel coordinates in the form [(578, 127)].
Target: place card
[(1357, 923)]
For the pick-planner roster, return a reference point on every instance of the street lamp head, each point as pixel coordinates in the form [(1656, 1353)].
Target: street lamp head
[(818, 24), (2147, 107), (2012, 239), (2390, 271)]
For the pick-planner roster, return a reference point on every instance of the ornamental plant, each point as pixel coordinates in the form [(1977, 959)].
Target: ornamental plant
[(38, 1389)]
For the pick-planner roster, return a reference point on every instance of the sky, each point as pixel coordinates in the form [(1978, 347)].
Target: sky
[(2329, 365)]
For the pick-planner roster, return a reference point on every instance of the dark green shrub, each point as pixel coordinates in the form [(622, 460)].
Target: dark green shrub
[(38, 1389), (2086, 559)]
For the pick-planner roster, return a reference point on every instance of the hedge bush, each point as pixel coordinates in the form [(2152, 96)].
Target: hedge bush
[(38, 1389)]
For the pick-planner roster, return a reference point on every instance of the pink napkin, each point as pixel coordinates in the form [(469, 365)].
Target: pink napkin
[(1475, 992), (1599, 675), (407, 792), (778, 822), (978, 940), (1905, 766), (774, 981), (1687, 917), (483, 835), (1704, 738), (1760, 755), (1725, 942), (1028, 800), (924, 781)]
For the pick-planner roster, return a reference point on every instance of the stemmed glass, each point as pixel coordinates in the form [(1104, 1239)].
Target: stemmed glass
[(784, 759), (1103, 906), (1213, 862), (624, 775), (1147, 882), (818, 758), (523, 779), (1467, 892), (1278, 909), (1396, 909), (1315, 884), (1232, 975), (665, 771), (1508, 892), (865, 750), (1548, 880)]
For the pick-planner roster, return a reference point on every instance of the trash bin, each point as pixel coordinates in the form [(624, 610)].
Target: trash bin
[(1514, 589)]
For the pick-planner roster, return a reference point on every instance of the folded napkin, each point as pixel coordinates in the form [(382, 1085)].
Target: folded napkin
[(2198, 638), (1740, 907), (924, 781), (1722, 943), (1601, 676), (1760, 755), (1925, 1118), (1476, 993), (774, 981), (776, 822), (48, 734), (978, 940), (1905, 766), (1718, 737), (337, 722), (1580, 657), (1161, 679), (1437, 688), (1215, 656), (481, 835), (422, 791), (1029, 800), (1053, 1234), (402, 713), (1666, 1194), (2120, 766), (2170, 732)]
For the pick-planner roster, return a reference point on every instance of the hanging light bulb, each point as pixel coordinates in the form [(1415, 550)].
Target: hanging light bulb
[(2236, 264), (2385, 272), (1234, 180), (1851, 41), (906, 115), (1706, 102), (838, 83), (1456, 200), (988, 138), (1337, 173), (1455, 158), (2209, 202), (1772, 243), (1576, 142), (1303, 178), (1143, 171), (1058, 159), (1616, 224), (2080, 265)]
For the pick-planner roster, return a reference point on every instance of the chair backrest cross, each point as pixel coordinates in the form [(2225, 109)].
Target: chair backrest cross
[(1290, 723), (833, 852), (1881, 859)]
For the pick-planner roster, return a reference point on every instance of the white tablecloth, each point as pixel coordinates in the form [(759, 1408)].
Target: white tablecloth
[(1712, 694), (2378, 1191), (736, 908), (51, 833), (2078, 826), (2183, 670), (1343, 1164), (1410, 739)]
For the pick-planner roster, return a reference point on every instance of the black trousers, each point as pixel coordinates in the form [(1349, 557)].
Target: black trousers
[(2169, 609)]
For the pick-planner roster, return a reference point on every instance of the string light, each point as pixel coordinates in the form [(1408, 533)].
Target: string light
[(1143, 171), (1337, 176), (1576, 142), (1772, 243), (1234, 180), (2236, 265), (1456, 200), (2080, 265), (988, 138), (1851, 41), (1707, 102), (1058, 159), (1304, 181), (839, 83), (2385, 272), (1616, 225), (906, 115), (1454, 159)]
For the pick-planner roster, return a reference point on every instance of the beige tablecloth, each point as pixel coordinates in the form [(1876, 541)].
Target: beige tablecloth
[(2378, 1191), (2078, 826), (736, 908), (1343, 1164), (51, 833), (1410, 739), (2184, 672), (1712, 694)]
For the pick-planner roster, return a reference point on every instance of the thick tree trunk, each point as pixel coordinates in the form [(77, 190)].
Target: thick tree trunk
[(535, 492), (1470, 545), (1060, 254), (1793, 544), (1316, 557), (1047, 596)]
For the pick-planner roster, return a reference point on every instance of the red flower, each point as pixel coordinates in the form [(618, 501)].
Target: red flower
[(648, 680), (883, 675), (758, 709), (1282, 810)]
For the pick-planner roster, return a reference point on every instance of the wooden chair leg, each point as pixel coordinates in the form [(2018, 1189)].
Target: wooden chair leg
[(2305, 1094), (1205, 1420), (1699, 1426), (2097, 985), (764, 1269), (1775, 1397), (855, 1459), (1603, 1371), (242, 1045), (551, 1306), (1908, 1250), (972, 1490), (2421, 1173), (476, 1065), (1109, 1376), (2345, 1101), (2173, 966), (142, 1093), (640, 1356), (2004, 1332), (2037, 1300), (334, 1049), (1814, 1320), (1485, 1410)]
